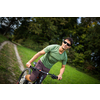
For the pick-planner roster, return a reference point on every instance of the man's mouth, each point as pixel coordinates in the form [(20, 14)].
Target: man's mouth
[(64, 47)]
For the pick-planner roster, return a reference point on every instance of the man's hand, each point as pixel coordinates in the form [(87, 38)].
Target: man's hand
[(28, 64), (59, 77)]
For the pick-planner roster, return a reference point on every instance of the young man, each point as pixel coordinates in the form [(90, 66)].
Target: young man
[(52, 54)]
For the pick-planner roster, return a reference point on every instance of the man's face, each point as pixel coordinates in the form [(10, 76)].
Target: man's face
[(65, 44)]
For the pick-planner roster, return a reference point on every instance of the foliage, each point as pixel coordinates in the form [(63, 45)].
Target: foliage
[(47, 29)]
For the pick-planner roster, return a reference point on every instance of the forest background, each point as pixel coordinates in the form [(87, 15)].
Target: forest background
[(39, 32)]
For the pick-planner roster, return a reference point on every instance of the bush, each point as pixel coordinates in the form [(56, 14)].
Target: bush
[(45, 45), (76, 59), (31, 44), (20, 41)]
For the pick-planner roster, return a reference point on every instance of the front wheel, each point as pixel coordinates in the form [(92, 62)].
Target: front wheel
[(22, 79)]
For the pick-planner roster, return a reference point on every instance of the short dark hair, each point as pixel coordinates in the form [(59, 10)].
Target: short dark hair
[(70, 39)]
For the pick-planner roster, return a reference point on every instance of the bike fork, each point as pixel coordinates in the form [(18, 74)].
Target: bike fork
[(41, 79)]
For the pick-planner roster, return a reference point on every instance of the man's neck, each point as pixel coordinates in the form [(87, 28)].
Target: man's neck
[(61, 50)]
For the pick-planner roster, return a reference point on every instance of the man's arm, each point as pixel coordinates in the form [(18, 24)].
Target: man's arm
[(28, 64), (61, 72)]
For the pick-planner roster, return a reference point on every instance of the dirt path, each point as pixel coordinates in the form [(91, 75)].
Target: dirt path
[(2, 44), (18, 58), (16, 52)]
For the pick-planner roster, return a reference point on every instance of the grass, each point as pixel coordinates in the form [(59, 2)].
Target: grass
[(26, 54), (70, 76), (9, 70), (2, 38)]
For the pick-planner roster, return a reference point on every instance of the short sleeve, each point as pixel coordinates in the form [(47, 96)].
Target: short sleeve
[(48, 48), (65, 60)]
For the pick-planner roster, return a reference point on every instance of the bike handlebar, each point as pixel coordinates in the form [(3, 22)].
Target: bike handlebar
[(52, 75)]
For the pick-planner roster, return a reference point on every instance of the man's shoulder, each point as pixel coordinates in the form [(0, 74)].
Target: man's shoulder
[(54, 45), (51, 47)]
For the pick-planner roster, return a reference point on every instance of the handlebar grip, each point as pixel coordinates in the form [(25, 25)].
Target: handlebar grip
[(31, 66), (54, 77)]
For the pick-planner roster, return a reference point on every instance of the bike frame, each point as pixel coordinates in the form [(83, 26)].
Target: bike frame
[(39, 79)]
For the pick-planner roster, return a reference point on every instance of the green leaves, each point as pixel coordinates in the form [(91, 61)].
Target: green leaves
[(83, 36), (79, 48), (79, 59)]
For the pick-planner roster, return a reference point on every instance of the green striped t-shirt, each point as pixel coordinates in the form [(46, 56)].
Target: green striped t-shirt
[(52, 56)]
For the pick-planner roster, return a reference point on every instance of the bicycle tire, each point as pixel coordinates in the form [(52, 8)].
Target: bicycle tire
[(21, 79)]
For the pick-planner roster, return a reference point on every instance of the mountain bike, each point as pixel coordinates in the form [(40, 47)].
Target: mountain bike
[(39, 80)]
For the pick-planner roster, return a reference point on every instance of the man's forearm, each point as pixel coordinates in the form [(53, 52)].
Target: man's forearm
[(62, 71), (37, 55), (28, 64), (34, 58)]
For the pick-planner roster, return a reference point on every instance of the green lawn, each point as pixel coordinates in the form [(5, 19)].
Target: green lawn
[(70, 76), (2, 38)]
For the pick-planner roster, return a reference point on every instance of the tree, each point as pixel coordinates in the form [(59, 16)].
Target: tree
[(22, 31), (10, 23)]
